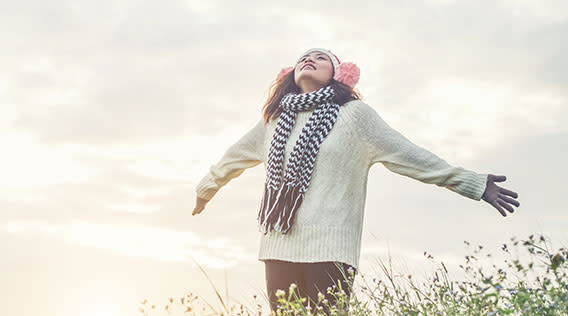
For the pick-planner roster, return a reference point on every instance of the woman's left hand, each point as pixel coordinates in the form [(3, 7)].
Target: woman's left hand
[(499, 197)]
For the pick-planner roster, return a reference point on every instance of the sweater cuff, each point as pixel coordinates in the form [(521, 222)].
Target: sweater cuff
[(472, 185), (206, 188)]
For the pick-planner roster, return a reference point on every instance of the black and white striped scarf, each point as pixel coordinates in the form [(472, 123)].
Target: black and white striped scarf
[(279, 203)]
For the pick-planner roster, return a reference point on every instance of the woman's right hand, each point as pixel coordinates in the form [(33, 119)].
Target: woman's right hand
[(199, 205)]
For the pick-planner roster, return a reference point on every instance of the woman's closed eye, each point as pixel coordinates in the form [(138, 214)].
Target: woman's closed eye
[(319, 57)]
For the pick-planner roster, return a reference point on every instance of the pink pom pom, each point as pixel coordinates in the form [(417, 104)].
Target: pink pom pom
[(347, 73), (284, 72)]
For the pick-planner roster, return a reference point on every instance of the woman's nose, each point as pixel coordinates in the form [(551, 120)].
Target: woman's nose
[(306, 60)]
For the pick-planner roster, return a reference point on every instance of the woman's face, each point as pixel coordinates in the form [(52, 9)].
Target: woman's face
[(313, 71)]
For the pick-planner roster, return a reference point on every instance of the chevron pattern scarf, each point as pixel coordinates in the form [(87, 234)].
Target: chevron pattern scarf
[(283, 196)]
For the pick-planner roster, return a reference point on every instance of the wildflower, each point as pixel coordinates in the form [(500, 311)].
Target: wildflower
[(293, 286), (280, 293), (351, 272), (556, 260)]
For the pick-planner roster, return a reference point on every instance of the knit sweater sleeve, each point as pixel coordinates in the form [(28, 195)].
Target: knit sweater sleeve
[(245, 153), (398, 154)]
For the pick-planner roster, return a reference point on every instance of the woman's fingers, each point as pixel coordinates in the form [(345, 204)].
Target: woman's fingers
[(498, 178), (505, 205), (499, 208), (509, 200), (199, 205), (495, 178), (198, 209), (509, 192)]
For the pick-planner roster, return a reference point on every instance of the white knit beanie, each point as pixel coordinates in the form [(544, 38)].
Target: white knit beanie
[(334, 60)]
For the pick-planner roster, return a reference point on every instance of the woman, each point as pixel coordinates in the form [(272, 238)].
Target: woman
[(317, 140)]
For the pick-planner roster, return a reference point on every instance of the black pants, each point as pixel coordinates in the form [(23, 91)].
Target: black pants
[(310, 279)]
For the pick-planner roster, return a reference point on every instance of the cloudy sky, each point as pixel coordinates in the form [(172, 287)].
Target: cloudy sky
[(112, 111)]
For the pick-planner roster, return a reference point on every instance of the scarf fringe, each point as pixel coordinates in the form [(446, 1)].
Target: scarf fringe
[(278, 208), (291, 202), (268, 208)]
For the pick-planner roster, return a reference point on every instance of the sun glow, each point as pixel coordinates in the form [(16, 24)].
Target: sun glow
[(100, 306)]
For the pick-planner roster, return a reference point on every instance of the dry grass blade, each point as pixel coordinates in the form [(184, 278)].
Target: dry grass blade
[(213, 286)]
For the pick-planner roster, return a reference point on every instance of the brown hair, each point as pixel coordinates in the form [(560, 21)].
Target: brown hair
[(279, 88)]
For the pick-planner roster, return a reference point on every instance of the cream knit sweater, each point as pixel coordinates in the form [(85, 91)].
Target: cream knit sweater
[(329, 222)]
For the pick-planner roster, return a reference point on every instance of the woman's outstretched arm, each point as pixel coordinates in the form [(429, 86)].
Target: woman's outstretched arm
[(245, 153), (398, 154)]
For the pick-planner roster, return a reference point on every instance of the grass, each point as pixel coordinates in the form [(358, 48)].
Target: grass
[(532, 280)]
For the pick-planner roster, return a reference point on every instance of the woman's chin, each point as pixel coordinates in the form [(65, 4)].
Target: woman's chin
[(311, 79)]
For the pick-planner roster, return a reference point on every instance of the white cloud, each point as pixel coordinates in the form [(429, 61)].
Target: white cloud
[(160, 244), (545, 12), (133, 208), (469, 116), (25, 163)]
